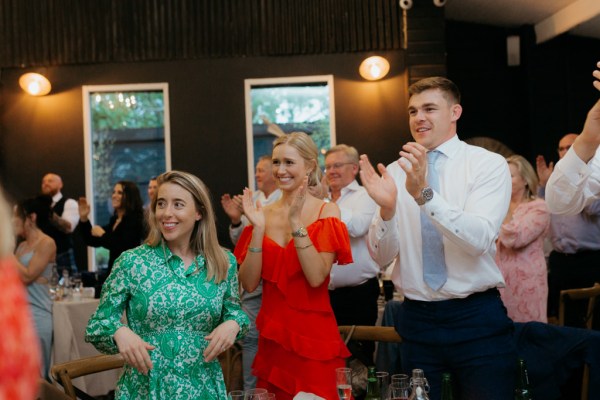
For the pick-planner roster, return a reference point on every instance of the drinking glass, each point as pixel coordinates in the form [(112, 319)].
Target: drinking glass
[(256, 394), (343, 380), (383, 383), (400, 387), (236, 395)]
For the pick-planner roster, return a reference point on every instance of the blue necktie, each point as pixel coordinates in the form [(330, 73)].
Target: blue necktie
[(434, 263)]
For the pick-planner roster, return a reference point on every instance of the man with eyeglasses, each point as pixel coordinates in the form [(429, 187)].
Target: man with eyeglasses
[(573, 197), (353, 288)]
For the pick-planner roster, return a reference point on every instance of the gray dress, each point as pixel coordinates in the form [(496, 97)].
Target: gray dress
[(41, 309)]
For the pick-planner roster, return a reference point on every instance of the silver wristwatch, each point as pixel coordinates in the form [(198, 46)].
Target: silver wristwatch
[(300, 232), (426, 195)]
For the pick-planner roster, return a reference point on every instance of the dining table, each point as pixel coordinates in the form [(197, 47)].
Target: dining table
[(70, 317)]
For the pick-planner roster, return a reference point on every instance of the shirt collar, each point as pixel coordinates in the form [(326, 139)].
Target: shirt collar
[(172, 260), (351, 187), (56, 198), (450, 147)]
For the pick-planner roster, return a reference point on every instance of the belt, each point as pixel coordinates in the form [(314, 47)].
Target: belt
[(492, 292)]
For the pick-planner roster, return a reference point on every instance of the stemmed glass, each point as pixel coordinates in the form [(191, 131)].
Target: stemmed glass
[(257, 394), (343, 380)]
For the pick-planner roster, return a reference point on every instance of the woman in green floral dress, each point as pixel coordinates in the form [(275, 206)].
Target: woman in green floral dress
[(180, 294)]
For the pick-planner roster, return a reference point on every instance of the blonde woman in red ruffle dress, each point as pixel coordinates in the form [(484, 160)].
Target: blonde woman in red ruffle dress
[(291, 246), (520, 253)]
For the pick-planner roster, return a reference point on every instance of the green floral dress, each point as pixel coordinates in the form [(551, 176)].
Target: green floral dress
[(171, 309)]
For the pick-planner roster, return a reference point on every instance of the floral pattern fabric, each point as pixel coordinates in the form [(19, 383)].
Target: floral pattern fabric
[(520, 257), (172, 309)]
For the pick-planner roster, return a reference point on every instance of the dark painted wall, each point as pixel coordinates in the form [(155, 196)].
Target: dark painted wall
[(528, 107), (208, 134)]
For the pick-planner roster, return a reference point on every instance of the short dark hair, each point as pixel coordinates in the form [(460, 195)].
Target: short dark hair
[(448, 88)]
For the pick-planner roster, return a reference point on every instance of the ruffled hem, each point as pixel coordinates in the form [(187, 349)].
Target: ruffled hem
[(312, 348), (292, 374)]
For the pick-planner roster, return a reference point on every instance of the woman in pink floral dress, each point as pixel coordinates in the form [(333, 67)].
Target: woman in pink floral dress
[(520, 253)]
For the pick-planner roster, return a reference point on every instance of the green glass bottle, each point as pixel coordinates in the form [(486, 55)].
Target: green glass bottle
[(522, 389), (447, 393), (372, 387)]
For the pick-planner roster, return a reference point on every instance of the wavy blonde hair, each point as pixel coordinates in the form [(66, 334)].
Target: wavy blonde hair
[(527, 173), (308, 151), (204, 236)]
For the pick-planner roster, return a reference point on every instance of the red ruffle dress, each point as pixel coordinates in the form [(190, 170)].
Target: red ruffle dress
[(299, 344)]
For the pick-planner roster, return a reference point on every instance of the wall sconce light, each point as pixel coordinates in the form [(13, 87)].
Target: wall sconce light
[(35, 84), (374, 68)]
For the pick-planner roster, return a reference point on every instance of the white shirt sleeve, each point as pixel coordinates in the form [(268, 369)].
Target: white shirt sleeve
[(71, 213), (359, 214), (573, 184)]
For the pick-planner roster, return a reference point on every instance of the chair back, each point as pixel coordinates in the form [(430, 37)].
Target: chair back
[(64, 373), (48, 391), (590, 293), (374, 333)]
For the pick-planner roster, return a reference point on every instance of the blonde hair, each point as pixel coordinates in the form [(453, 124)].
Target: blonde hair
[(527, 173), (349, 151), (204, 236), (307, 150), (7, 238)]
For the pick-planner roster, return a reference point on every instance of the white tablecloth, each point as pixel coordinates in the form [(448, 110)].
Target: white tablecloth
[(70, 320)]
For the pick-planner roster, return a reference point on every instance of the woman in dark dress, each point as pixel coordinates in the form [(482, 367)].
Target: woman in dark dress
[(124, 231)]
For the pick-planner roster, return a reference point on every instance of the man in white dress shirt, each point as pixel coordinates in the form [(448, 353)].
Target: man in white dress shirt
[(575, 181), (266, 193), (441, 222), (353, 288), (64, 219)]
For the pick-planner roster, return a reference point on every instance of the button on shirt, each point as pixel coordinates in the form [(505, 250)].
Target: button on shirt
[(357, 210), (475, 189), (573, 184)]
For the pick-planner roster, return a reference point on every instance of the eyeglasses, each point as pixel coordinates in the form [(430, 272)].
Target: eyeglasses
[(337, 165)]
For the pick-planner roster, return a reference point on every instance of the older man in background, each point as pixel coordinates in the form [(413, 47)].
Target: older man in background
[(353, 288), (64, 219)]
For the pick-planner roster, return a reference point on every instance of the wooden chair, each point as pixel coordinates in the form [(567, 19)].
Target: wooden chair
[(375, 333), (64, 373), (231, 365), (591, 294), (48, 391)]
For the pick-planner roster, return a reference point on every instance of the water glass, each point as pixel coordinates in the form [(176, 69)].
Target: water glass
[(383, 383), (400, 387), (256, 394), (343, 380), (236, 395)]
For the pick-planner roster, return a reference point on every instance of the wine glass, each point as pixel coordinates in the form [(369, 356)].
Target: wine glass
[(236, 395), (343, 379), (256, 394)]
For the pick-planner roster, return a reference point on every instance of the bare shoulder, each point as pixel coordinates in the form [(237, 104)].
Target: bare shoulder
[(47, 244), (330, 210)]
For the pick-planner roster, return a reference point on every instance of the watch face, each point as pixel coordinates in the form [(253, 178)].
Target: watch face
[(427, 194)]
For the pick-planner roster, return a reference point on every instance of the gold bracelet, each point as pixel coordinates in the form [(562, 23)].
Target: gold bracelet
[(255, 249), (303, 247)]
